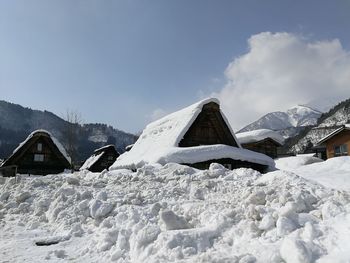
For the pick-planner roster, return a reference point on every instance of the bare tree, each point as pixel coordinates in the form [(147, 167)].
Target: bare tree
[(71, 132)]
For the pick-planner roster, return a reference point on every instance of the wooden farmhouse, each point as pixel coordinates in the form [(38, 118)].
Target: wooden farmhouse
[(263, 141), (197, 136), (338, 142), (39, 154), (102, 159)]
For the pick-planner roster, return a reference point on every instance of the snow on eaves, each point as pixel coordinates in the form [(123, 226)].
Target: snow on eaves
[(191, 155), (259, 135), (159, 141), (103, 147), (325, 138), (91, 161), (55, 141)]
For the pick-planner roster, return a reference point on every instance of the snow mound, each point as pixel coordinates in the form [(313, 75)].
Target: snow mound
[(332, 173), (175, 213), (293, 162)]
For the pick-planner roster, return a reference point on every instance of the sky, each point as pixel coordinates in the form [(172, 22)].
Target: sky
[(126, 63)]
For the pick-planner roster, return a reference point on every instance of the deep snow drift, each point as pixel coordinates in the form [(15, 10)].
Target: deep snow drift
[(173, 213), (333, 173)]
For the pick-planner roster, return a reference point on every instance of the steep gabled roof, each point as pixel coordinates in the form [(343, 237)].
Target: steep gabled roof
[(98, 153), (332, 134), (259, 135), (34, 134), (159, 142), (91, 161), (169, 130)]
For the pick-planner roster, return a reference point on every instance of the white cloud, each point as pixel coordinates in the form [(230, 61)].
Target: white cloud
[(282, 70)]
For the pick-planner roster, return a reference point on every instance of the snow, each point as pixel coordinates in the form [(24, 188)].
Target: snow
[(302, 116), (192, 155), (159, 141), (297, 116), (332, 173), (94, 158), (345, 127), (99, 137), (335, 119), (91, 161), (128, 147), (104, 147), (259, 135), (293, 162), (175, 213), (55, 141)]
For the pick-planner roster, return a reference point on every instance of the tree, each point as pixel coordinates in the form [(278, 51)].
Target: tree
[(71, 131)]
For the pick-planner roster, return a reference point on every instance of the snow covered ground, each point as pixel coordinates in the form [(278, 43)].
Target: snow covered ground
[(175, 213), (333, 173)]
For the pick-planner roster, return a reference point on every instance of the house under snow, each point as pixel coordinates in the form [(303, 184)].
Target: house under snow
[(102, 159), (337, 143), (263, 141), (197, 136), (39, 154)]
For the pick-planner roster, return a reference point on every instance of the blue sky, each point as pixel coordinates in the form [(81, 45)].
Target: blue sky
[(122, 62)]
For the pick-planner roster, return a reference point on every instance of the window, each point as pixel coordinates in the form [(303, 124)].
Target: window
[(340, 150), (38, 157), (110, 158), (39, 147)]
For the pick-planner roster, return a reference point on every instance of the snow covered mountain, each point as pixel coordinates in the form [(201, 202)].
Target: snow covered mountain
[(16, 122), (286, 123), (328, 122)]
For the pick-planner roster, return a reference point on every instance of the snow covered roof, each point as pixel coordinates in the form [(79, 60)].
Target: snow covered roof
[(91, 161), (159, 142), (259, 135), (98, 153), (344, 127), (55, 141), (104, 148)]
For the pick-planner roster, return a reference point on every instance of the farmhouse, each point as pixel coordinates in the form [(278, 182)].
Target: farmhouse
[(39, 154), (197, 136), (337, 143), (102, 159), (263, 141)]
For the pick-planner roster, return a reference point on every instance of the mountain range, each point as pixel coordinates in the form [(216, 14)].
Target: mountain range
[(326, 123), (16, 122), (303, 126), (288, 123)]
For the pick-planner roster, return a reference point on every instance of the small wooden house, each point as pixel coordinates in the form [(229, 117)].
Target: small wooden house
[(39, 154), (337, 143), (263, 141), (196, 136), (102, 159)]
